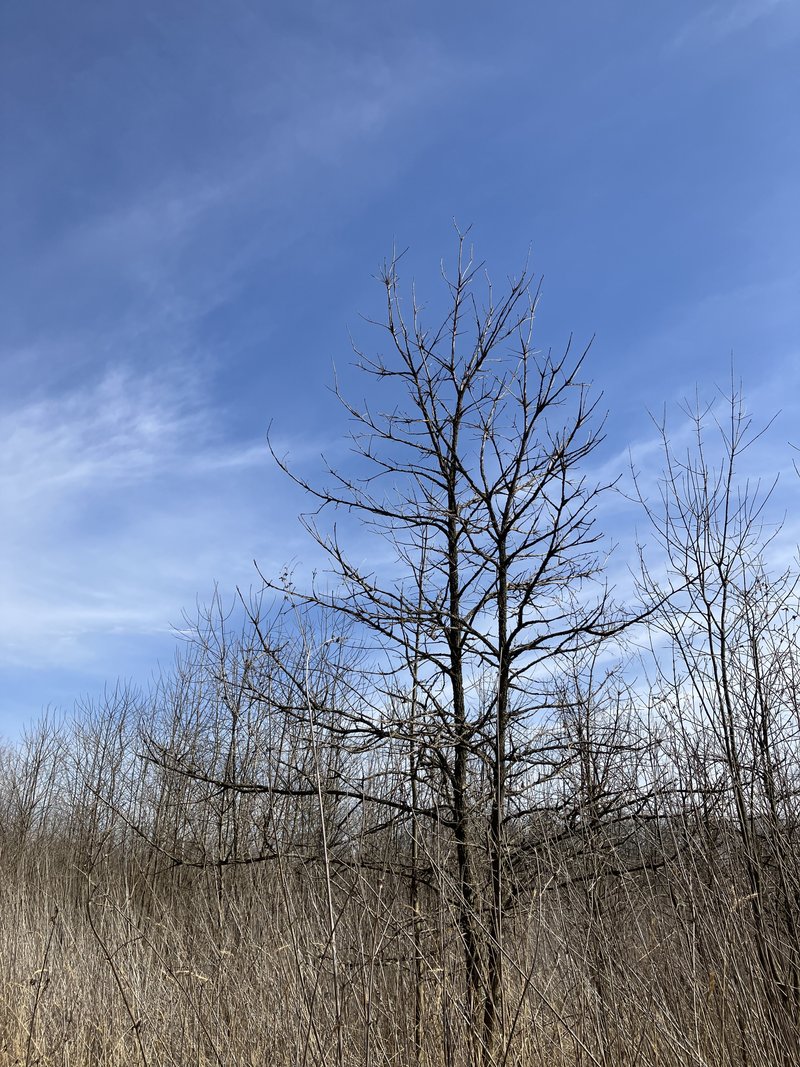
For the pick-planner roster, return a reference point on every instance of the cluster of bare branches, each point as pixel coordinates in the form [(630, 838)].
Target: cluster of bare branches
[(458, 808)]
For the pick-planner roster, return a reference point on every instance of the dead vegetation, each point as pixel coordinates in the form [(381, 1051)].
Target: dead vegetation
[(462, 810)]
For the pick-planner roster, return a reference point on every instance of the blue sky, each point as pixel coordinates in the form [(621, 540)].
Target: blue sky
[(195, 197)]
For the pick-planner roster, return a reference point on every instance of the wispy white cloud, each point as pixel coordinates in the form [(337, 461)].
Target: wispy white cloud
[(759, 321), (724, 19), (182, 239), (119, 508), (765, 468), (120, 504)]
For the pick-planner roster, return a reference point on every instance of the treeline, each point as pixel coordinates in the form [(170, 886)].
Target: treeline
[(458, 804)]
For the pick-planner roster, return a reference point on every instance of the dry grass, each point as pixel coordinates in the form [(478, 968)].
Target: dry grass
[(92, 971)]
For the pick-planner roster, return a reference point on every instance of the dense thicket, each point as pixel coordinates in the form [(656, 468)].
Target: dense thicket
[(456, 808)]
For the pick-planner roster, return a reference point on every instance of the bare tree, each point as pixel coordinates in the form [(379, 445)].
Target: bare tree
[(731, 658), (474, 474)]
